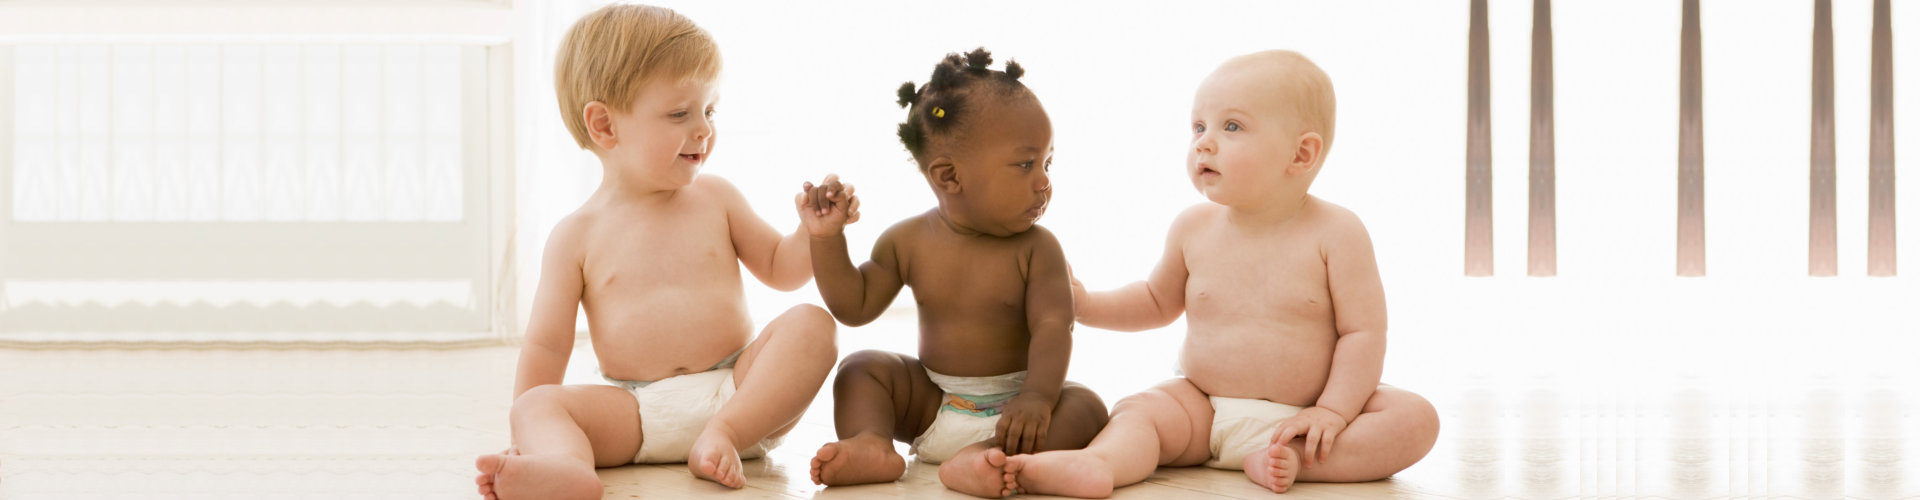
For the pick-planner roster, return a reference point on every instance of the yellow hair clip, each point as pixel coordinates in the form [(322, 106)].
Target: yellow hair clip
[(939, 113)]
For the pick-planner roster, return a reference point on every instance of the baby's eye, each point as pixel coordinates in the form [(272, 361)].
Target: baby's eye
[(1199, 127), (678, 114), (710, 112), (1233, 127), (1026, 165), (1049, 166)]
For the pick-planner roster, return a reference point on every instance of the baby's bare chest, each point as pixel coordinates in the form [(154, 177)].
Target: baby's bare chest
[(1284, 280), (654, 251), (980, 279)]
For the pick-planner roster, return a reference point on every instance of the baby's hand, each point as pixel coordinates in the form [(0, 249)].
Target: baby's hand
[(1079, 294), (826, 209), (1319, 426), (1024, 422)]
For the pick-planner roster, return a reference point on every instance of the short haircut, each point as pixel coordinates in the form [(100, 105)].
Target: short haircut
[(611, 53), (936, 111)]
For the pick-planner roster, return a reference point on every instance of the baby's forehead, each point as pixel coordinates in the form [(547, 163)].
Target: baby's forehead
[(1260, 85)]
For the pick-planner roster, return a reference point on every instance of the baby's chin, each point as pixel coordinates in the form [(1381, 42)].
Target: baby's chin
[(1215, 193)]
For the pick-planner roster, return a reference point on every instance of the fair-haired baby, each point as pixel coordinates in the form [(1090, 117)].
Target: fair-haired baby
[(1286, 316), (654, 256)]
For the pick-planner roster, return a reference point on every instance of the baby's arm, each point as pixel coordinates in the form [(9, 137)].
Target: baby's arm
[(779, 262), (1050, 326), (855, 296), (543, 358), (1145, 305), (1359, 317)]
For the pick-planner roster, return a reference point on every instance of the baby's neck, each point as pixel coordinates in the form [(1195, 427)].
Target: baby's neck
[(621, 189), (940, 215), (616, 192), (1278, 211)]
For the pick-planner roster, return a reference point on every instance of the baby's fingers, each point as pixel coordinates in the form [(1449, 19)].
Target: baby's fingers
[(1326, 443), (1286, 433), (1029, 436), (1039, 436), (1313, 446), (1012, 437), (1005, 427)]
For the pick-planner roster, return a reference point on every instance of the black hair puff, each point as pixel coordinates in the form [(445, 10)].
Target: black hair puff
[(908, 95)]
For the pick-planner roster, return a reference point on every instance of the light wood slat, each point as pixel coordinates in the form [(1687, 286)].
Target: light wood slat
[(1691, 242), (1823, 257), (1479, 237), (1541, 259), (1881, 259)]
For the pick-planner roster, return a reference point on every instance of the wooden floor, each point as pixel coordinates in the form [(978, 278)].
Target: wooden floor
[(407, 424)]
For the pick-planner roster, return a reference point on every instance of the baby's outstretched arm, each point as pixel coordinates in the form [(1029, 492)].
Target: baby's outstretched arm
[(1050, 325), (780, 261), (855, 296), (1149, 304), (549, 341)]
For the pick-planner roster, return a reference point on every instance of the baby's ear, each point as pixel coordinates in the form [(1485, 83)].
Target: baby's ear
[(1306, 153), (943, 175), (599, 120)]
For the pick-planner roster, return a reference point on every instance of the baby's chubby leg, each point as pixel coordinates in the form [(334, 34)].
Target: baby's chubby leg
[(1395, 429), (776, 378), (1165, 425), (980, 468), (562, 433), (878, 397)]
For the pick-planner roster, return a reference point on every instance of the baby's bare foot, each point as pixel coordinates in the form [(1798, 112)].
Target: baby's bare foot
[(512, 477), (1273, 469), (1063, 473), (978, 471), (713, 458), (860, 459)]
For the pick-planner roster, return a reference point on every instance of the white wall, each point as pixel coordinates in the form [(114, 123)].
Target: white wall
[(809, 90)]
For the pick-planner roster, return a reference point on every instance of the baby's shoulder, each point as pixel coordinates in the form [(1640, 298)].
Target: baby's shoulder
[(1336, 226), (908, 231), (1332, 216), (708, 190), (570, 234), (1039, 237), (1195, 219)]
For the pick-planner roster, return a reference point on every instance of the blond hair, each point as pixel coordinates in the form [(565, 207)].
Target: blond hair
[(609, 54), (1302, 85)]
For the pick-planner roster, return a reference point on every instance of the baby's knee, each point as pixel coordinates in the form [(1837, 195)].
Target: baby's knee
[(1427, 418), (865, 365), (1080, 400), (1414, 411), (810, 317), (1151, 398), (540, 398), (813, 325)]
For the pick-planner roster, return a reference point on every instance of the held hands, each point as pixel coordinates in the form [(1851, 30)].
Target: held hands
[(826, 209), (1319, 426), (1024, 422)]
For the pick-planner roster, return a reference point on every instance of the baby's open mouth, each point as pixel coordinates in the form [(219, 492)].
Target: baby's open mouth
[(692, 157)]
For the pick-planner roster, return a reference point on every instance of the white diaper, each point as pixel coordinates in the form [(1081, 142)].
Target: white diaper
[(674, 410), (1243, 427), (969, 411)]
